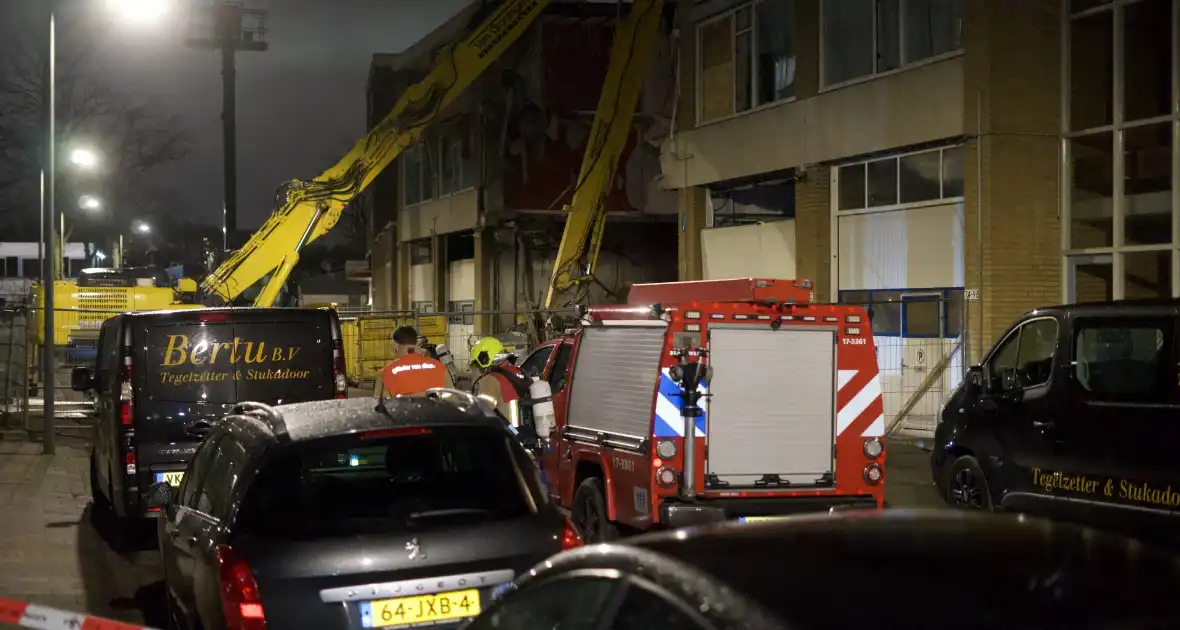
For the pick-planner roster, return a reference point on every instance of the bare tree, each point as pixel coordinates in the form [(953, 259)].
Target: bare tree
[(132, 136)]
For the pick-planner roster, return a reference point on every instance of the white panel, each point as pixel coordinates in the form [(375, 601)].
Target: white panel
[(422, 283), (442, 216), (897, 249), (766, 415), (461, 281), (744, 251)]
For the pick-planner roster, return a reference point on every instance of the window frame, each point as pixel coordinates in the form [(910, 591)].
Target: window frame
[(903, 64), (568, 349), (1018, 332), (1168, 324), (945, 294), (421, 153), (865, 207), (548, 350), (731, 15)]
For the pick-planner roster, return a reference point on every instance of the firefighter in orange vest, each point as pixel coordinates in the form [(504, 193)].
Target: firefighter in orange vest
[(411, 372), (504, 382)]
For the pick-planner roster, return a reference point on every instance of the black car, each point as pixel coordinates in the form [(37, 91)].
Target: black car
[(353, 514), (162, 378), (1073, 415), (878, 569)]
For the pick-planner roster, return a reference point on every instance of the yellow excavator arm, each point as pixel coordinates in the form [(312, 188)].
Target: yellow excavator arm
[(630, 57), (309, 209)]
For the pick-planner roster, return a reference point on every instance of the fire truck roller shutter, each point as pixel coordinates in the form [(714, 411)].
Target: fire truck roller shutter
[(615, 377), (771, 411)]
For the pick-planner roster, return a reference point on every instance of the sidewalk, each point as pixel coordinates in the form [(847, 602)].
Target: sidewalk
[(50, 552)]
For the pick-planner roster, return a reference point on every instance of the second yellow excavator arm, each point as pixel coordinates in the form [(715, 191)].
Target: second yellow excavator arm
[(309, 209), (630, 57)]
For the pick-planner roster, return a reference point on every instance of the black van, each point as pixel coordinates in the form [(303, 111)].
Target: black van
[(1074, 414), (162, 378)]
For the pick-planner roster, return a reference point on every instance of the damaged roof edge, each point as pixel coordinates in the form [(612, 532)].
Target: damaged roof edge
[(421, 52)]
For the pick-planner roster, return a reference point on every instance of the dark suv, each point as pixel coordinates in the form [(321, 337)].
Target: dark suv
[(353, 514)]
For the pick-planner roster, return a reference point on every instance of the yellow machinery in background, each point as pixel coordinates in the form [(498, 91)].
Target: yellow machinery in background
[(631, 52)]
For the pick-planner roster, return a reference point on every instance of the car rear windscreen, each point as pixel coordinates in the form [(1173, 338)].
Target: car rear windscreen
[(232, 361), (378, 484)]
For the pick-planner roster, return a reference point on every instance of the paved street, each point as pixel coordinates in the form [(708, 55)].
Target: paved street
[(55, 551)]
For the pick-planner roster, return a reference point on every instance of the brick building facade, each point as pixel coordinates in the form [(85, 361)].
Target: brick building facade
[(950, 163)]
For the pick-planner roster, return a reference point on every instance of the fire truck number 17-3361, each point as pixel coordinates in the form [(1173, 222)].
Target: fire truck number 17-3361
[(623, 463)]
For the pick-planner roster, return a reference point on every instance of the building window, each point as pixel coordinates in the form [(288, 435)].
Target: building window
[(866, 37), (911, 313), (456, 310), (423, 307), (758, 202), (11, 267), (457, 169), (417, 175), (1122, 115), (911, 178), (421, 252), (746, 59), (31, 267)]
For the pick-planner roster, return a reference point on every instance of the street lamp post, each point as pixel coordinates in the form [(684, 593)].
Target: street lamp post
[(48, 376), (48, 204)]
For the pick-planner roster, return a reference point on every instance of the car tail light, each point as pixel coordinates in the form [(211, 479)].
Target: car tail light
[(129, 461), (126, 417), (666, 477), (339, 370), (240, 601), (208, 318), (570, 538)]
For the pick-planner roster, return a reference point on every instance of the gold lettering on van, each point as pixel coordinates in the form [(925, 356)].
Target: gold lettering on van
[(1107, 488), (178, 352)]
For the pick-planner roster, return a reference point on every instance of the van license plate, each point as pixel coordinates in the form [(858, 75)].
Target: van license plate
[(170, 478), (760, 519), (402, 611)]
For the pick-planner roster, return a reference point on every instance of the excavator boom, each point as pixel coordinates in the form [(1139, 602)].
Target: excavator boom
[(309, 209), (630, 58)]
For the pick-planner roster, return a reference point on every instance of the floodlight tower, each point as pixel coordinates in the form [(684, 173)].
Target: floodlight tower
[(229, 27)]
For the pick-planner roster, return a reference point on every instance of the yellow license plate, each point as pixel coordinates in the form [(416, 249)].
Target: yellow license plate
[(170, 478), (403, 611), (760, 519)]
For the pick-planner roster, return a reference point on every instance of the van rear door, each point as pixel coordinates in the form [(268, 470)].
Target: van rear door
[(197, 365)]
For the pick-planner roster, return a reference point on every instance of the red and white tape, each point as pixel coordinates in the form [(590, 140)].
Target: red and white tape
[(28, 615)]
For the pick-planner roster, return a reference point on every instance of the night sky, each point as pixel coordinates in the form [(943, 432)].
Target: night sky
[(300, 105)]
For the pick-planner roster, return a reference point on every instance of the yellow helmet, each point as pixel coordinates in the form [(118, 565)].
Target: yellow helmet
[(484, 351)]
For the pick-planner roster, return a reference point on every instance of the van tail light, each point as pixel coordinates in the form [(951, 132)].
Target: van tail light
[(240, 601), (570, 538), (339, 370), (126, 417)]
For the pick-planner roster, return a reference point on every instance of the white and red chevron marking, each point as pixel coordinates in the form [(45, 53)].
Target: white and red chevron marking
[(28, 615), (858, 403)]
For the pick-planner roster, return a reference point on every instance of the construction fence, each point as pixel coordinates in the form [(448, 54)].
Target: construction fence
[(918, 368)]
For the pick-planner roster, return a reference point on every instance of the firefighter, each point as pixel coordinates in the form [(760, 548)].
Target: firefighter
[(411, 372), (504, 382)]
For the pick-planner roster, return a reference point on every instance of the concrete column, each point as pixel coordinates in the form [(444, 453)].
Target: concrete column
[(485, 249), (692, 206), (813, 220), (438, 254)]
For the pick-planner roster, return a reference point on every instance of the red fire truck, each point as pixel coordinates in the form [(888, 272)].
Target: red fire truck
[(790, 421)]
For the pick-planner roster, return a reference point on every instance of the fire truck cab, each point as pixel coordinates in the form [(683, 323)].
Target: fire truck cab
[(790, 421)]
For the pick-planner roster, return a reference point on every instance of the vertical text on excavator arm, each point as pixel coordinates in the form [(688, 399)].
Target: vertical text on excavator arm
[(630, 57), (312, 208)]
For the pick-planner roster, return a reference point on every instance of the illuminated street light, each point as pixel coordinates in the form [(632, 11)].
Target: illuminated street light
[(141, 227), (84, 158), (89, 202), (140, 11)]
